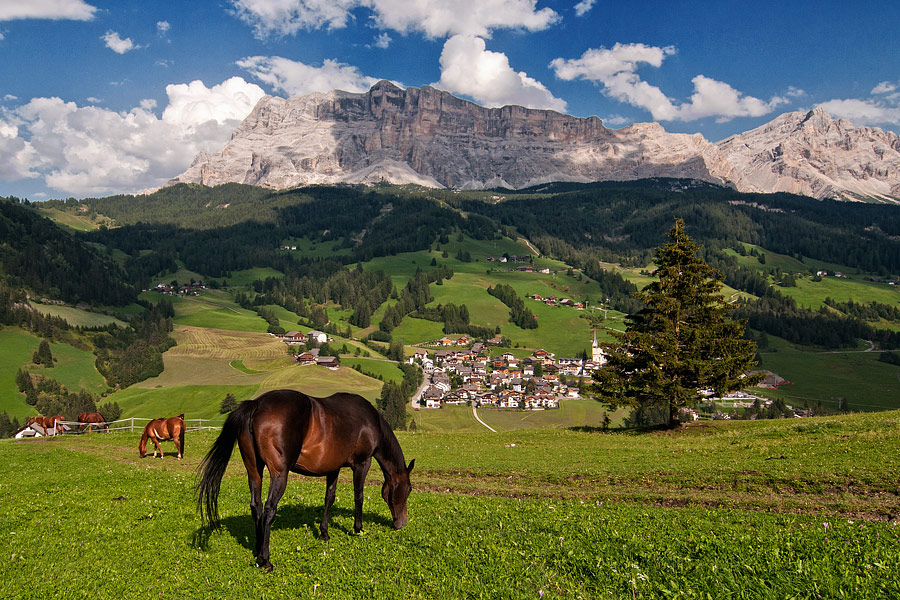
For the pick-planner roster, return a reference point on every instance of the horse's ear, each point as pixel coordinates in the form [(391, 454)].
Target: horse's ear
[(409, 469)]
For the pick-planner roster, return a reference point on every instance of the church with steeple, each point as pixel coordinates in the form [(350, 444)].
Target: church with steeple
[(597, 355)]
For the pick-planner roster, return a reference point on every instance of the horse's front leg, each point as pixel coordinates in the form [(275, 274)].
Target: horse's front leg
[(330, 487), (360, 470)]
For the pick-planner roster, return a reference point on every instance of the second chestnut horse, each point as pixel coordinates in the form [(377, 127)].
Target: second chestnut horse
[(92, 419), (161, 430)]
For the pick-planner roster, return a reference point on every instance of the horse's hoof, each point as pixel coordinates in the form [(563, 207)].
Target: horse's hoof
[(268, 568)]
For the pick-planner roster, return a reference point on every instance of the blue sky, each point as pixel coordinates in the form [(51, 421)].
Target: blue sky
[(101, 97)]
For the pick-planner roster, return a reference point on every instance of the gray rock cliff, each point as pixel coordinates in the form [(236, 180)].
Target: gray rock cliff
[(429, 137)]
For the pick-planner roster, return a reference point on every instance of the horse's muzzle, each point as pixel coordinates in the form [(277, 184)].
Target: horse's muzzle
[(400, 522)]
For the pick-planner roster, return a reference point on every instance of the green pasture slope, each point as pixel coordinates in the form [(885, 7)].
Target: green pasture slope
[(213, 309), (73, 368), (858, 376), (562, 330), (761, 510), (76, 316)]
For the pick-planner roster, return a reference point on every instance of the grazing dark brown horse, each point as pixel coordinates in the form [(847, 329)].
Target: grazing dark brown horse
[(289, 431), (163, 430), (90, 419)]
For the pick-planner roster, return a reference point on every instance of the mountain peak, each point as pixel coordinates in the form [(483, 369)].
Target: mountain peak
[(430, 137)]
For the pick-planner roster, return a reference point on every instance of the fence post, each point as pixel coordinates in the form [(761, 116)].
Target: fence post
[(132, 424)]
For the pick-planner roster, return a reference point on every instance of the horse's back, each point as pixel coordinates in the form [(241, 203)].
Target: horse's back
[(324, 434)]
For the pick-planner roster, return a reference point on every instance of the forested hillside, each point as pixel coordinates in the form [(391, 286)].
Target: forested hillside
[(588, 226), (38, 256), (382, 267)]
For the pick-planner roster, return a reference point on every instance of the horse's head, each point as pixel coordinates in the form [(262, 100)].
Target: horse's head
[(395, 492), (32, 420)]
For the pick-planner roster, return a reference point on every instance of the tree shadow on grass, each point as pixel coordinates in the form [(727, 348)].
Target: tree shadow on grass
[(289, 516)]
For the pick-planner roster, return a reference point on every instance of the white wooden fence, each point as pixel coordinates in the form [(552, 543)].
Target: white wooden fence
[(138, 424)]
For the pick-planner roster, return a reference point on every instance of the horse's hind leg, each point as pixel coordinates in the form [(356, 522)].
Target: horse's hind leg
[(277, 486), (254, 478), (359, 480), (330, 487), (158, 447), (177, 442)]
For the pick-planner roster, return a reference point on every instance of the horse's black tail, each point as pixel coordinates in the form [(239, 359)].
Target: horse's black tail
[(213, 465)]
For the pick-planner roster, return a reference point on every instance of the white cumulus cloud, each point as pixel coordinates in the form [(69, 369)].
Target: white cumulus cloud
[(118, 45), (885, 87), (89, 150), (382, 40), (434, 18), (863, 112), (287, 17), (296, 78), (583, 7), (76, 10), (616, 70), (468, 68)]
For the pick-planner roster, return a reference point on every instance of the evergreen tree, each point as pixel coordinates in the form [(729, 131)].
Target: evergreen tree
[(229, 403), (392, 403), (111, 411), (42, 355), (680, 342)]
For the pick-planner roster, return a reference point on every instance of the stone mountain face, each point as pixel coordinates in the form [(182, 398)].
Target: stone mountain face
[(432, 138), (815, 155)]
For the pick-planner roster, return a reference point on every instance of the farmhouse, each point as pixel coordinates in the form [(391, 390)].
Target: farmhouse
[(329, 362), (317, 336), (294, 338)]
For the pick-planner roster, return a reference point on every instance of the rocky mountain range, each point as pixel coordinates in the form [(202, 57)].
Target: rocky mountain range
[(429, 137)]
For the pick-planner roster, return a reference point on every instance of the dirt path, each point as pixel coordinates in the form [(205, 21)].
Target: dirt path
[(477, 418)]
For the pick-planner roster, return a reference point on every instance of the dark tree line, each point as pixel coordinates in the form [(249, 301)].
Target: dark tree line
[(779, 315), (395, 398), (413, 297), (518, 313), (39, 256)]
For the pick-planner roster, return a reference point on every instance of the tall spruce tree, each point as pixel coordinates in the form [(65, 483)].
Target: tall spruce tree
[(680, 342)]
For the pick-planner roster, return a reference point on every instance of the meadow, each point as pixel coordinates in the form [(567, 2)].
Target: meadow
[(76, 316), (824, 376), (763, 510), (73, 368)]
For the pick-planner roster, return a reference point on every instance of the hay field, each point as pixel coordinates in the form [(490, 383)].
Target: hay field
[(225, 344)]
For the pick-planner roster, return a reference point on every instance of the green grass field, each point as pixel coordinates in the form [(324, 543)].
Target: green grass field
[(70, 220), (571, 413), (857, 376), (73, 368), (242, 278), (762, 510), (76, 316), (213, 309), (18, 348), (811, 293), (386, 369)]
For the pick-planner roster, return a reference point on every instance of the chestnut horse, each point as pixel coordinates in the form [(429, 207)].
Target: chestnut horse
[(289, 431), (54, 423), (163, 430), (90, 419)]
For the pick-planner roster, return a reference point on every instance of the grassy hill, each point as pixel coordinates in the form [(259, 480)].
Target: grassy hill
[(73, 368), (746, 510)]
